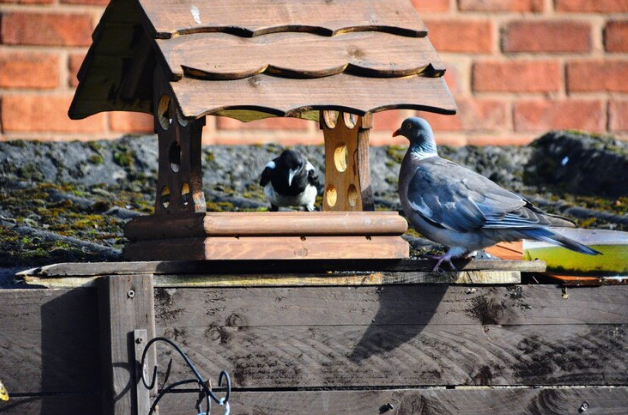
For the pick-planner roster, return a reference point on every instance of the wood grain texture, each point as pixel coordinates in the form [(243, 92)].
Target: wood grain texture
[(53, 405), (390, 305), (180, 177), (342, 164), (49, 341), (266, 267), (398, 355), (296, 97), (301, 280), (254, 18), (222, 56), (125, 304), (395, 336), (543, 401), (266, 223), (105, 80), (268, 247)]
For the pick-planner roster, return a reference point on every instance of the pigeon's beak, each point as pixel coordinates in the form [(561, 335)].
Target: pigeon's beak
[(396, 133), (291, 174)]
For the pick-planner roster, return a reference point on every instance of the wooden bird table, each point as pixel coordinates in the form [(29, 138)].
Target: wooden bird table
[(335, 62)]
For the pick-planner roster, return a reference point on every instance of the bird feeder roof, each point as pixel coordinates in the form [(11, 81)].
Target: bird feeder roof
[(251, 59)]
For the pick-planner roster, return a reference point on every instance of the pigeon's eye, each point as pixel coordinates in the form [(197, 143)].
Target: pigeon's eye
[(408, 126)]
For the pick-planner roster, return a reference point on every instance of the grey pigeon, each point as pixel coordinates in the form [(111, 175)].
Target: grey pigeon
[(463, 210), (290, 180)]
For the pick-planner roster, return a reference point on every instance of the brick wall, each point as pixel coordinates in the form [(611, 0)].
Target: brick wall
[(517, 68)]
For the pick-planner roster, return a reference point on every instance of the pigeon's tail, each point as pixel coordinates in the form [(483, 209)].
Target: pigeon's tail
[(546, 235)]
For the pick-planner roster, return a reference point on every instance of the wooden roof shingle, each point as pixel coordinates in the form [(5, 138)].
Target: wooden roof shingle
[(250, 59)]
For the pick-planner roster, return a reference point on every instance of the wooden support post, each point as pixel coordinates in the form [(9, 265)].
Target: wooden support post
[(347, 174), (180, 178), (125, 304), (140, 338)]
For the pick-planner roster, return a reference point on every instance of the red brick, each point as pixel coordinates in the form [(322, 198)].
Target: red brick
[(47, 29), (618, 116), (456, 74), (431, 5), (501, 5), (87, 2), (450, 140), (28, 70), (543, 115), (616, 36), (131, 122), (248, 139), (546, 36), (588, 6), (516, 76), (74, 64), (472, 115), (501, 140), (27, 1), (388, 120), (458, 35), (41, 113), (598, 75), (274, 123)]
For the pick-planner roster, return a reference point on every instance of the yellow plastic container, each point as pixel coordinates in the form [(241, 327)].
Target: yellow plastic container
[(612, 244)]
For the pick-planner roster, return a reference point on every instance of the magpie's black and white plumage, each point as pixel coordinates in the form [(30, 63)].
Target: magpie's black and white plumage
[(290, 180), (463, 210)]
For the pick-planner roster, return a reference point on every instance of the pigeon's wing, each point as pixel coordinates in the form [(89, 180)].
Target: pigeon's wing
[(453, 197), (268, 172)]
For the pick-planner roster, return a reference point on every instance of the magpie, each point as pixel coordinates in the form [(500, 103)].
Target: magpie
[(290, 180)]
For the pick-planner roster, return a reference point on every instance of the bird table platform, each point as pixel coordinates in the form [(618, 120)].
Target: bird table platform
[(331, 62)]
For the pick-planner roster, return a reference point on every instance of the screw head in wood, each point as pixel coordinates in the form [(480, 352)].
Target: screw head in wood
[(130, 294), (584, 406)]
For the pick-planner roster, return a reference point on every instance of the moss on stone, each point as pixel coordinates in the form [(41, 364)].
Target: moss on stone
[(396, 153), (123, 156), (95, 159)]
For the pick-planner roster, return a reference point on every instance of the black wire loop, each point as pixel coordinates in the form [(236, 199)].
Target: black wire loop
[(205, 393)]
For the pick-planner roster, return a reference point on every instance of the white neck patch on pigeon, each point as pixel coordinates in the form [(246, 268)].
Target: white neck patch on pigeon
[(421, 154)]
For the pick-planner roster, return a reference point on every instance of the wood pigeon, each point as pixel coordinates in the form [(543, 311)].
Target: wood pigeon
[(463, 210), (290, 180)]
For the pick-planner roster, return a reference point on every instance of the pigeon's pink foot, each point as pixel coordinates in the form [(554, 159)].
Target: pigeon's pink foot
[(444, 258), (452, 253)]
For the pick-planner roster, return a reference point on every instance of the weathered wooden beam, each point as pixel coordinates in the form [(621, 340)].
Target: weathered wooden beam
[(391, 305), (296, 280), (125, 304), (401, 335), (268, 267), (542, 401), (62, 404), (49, 343), (140, 338), (375, 355)]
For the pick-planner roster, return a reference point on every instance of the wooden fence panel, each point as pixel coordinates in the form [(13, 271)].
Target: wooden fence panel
[(545, 401), (49, 341), (401, 335), (85, 404), (49, 352)]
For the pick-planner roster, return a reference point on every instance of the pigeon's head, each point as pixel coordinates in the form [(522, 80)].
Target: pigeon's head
[(290, 163), (420, 134)]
